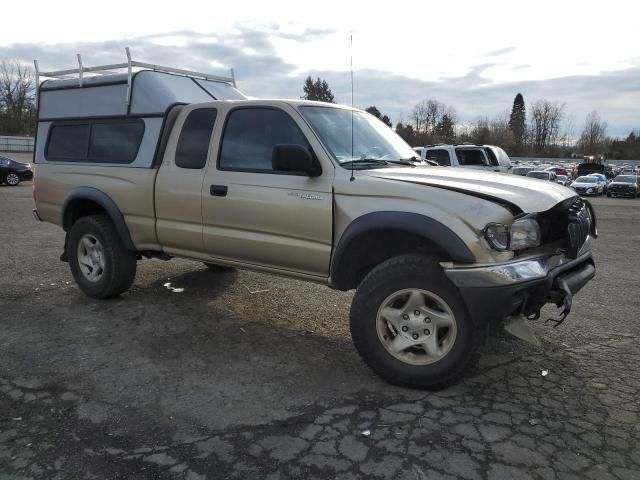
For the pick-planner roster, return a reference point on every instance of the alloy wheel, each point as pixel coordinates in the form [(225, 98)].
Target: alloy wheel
[(91, 259), (12, 179), (416, 326)]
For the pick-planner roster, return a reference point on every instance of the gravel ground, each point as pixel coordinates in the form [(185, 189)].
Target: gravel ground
[(247, 375)]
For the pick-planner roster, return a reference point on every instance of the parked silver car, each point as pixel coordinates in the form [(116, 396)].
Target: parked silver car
[(588, 185), (542, 175)]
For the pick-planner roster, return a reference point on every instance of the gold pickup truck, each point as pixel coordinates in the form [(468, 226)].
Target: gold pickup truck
[(165, 163)]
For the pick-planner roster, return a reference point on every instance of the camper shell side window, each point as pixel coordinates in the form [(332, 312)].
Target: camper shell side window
[(115, 141)]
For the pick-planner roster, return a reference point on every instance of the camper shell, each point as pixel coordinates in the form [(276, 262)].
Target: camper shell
[(132, 104)]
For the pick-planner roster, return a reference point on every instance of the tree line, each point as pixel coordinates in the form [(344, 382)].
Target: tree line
[(542, 130)]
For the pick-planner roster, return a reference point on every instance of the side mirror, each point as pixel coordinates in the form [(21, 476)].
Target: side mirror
[(295, 159)]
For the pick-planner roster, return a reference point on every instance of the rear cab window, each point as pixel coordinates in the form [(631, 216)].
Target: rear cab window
[(195, 136)]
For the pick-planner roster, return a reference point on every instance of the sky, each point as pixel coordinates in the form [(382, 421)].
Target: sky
[(473, 56)]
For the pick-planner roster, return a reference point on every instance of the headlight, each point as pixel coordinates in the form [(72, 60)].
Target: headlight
[(521, 234), (525, 233), (497, 235)]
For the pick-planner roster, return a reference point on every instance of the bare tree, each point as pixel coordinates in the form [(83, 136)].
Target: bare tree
[(435, 111), (567, 139), (502, 133), (545, 124), (433, 121), (594, 134), (419, 116), (492, 131), (17, 106)]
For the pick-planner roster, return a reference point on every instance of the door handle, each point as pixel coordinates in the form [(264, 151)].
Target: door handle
[(218, 190)]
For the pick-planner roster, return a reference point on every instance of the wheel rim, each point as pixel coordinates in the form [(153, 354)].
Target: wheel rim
[(416, 326), (91, 258), (13, 179)]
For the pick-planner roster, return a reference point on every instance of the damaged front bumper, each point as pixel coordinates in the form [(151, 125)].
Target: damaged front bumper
[(523, 287)]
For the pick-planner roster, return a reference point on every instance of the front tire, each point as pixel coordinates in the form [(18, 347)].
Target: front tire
[(101, 265), (411, 326)]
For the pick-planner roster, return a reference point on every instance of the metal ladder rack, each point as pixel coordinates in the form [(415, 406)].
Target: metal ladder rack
[(129, 65)]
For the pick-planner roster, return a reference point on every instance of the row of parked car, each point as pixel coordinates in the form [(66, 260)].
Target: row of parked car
[(615, 181), (625, 184)]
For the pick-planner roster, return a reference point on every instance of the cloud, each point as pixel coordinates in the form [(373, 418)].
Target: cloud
[(262, 72), (500, 51)]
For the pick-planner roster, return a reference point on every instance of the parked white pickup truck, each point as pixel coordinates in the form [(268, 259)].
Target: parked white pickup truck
[(489, 158)]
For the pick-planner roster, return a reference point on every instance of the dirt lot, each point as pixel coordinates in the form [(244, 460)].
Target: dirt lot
[(245, 375)]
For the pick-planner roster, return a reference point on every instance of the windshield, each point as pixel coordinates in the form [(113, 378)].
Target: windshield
[(625, 178), (372, 139), (586, 180), (543, 175)]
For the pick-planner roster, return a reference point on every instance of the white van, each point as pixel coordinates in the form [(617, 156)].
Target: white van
[(476, 156)]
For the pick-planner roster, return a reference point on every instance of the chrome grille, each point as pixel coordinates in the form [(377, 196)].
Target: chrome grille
[(580, 224)]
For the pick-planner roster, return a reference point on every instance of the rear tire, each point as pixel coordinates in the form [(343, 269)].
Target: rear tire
[(443, 343), (101, 265), (608, 195), (12, 179)]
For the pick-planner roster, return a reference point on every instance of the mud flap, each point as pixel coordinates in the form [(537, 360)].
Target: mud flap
[(65, 255), (520, 327)]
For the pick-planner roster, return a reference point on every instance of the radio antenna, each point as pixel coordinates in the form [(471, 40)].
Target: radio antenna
[(351, 59)]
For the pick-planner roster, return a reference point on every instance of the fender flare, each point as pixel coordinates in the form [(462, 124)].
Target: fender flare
[(106, 202), (409, 222)]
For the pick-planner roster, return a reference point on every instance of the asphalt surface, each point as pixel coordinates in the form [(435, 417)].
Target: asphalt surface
[(251, 376)]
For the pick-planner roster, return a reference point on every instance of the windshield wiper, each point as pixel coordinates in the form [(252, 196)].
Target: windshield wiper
[(403, 161), (378, 161), (421, 160)]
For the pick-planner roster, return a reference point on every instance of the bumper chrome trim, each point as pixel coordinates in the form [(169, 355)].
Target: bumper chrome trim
[(512, 273)]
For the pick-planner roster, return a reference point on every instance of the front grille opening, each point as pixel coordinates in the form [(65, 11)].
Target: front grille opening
[(569, 222)]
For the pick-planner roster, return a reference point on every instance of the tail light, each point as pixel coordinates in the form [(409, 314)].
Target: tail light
[(33, 192)]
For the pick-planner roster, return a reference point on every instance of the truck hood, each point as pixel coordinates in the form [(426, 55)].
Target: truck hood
[(528, 195)]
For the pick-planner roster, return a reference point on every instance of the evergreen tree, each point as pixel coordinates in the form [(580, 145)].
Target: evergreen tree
[(517, 121), (445, 129), (373, 110), (406, 132), (318, 90)]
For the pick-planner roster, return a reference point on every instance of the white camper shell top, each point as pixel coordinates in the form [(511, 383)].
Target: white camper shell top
[(104, 98), (152, 93)]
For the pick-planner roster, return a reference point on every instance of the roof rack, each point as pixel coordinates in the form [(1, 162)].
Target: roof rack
[(129, 65)]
